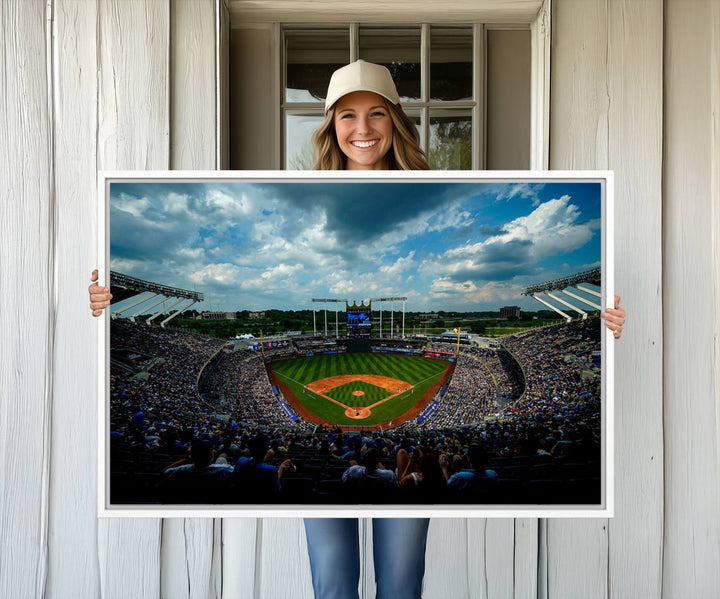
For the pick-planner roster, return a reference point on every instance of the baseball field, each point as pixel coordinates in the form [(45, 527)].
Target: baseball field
[(358, 388)]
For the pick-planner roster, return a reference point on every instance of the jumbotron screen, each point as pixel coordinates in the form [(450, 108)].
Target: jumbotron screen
[(359, 321)]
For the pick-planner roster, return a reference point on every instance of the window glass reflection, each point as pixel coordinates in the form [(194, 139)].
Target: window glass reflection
[(451, 63), (398, 50), (299, 149), (450, 146), (311, 58)]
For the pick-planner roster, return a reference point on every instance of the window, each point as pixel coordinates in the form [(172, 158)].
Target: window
[(468, 88), (434, 67)]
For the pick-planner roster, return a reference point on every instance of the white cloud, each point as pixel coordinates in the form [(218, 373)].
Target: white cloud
[(494, 291), (192, 253), (222, 274), (437, 219), (359, 285), (125, 265), (135, 206), (304, 242), (400, 265), (522, 190), (315, 236), (469, 293), (252, 283), (233, 208), (550, 229), (281, 271), (447, 285), (175, 205), (449, 219)]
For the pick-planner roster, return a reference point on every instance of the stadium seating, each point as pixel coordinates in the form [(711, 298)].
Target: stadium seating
[(535, 391)]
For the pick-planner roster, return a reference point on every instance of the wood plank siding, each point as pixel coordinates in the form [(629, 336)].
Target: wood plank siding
[(143, 84)]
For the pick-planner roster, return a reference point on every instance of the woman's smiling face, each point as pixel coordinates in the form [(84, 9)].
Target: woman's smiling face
[(364, 130)]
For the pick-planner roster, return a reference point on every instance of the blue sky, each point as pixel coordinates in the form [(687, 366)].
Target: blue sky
[(446, 246)]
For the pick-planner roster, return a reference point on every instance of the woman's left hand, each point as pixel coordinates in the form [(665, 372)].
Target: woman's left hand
[(615, 318)]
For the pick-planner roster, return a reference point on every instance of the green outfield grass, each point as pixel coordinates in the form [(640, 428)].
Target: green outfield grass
[(419, 372)]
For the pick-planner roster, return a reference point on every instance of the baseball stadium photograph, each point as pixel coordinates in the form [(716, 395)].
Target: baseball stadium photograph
[(296, 342)]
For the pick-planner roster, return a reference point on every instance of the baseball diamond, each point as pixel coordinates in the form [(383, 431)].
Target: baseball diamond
[(359, 388)]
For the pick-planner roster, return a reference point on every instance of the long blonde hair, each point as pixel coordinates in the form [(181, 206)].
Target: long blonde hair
[(405, 154)]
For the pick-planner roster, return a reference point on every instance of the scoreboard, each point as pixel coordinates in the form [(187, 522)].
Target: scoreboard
[(359, 319)]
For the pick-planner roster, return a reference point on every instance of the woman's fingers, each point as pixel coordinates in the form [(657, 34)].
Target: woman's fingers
[(99, 296), (613, 326), (615, 319)]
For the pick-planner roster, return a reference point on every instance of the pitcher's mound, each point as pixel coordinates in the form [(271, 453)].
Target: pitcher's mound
[(358, 393)]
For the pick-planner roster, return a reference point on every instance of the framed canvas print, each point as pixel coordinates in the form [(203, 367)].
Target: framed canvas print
[(343, 344)]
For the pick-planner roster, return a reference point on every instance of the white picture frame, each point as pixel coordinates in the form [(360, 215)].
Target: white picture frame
[(519, 179)]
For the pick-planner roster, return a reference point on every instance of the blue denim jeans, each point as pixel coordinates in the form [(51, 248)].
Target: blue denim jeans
[(398, 552)]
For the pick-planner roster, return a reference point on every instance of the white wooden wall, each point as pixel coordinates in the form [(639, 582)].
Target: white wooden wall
[(607, 113), (132, 85)]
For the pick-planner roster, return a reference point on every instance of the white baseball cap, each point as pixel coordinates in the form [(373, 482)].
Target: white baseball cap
[(361, 76)]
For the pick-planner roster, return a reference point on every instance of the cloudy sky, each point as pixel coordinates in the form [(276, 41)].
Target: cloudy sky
[(446, 246)]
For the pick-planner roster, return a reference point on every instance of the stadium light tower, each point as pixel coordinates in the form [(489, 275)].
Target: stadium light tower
[(392, 306), (324, 301)]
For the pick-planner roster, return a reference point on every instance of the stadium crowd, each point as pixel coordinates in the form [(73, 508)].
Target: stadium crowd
[(241, 379), (158, 390), (481, 378), (563, 387), (494, 463), (168, 446)]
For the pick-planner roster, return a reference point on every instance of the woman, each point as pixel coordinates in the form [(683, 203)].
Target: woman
[(364, 129)]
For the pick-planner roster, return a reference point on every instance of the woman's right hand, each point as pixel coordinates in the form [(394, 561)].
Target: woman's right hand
[(99, 296)]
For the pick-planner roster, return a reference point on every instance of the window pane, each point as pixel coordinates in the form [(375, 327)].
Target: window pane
[(299, 150), (450, 139), (399, 51), (311, 57), (451, 69)]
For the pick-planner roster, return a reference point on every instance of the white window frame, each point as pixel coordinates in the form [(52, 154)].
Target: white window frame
[(535, 15)]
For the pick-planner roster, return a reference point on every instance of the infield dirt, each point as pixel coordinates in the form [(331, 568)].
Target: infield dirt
[(327, 384)]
